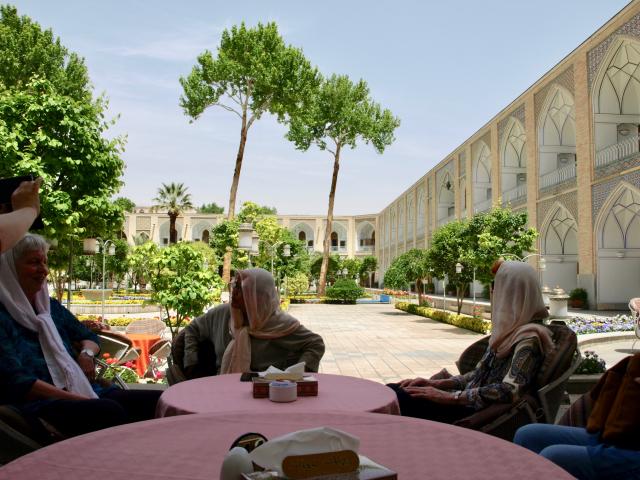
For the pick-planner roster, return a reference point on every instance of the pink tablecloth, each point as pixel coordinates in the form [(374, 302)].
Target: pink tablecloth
[(191, 447), (226, 393)]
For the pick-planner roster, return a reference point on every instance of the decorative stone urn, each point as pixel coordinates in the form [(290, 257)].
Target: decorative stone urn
[(95, 294)]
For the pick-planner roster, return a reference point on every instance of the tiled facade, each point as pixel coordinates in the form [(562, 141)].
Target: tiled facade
[(566, 150)]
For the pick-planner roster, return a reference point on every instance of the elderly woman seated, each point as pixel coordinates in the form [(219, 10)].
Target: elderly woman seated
[(515, 352), (251, 332), (40, 373)]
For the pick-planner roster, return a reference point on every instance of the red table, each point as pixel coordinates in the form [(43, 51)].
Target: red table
[(226, 393), (143, 341), (415, 449)]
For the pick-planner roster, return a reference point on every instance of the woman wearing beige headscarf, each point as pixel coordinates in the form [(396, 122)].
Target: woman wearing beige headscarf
[(517, 346), (252, 333)]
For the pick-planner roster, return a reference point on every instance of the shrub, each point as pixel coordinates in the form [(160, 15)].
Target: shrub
[(297, 284), (463, 321), (578, 294), (591, 364), (344, 291)]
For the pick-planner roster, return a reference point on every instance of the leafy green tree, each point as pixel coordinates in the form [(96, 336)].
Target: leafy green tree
[(478, 243), (338, 115), (174, 199), (26, 51), (62, 140), (252, 213), (333, 267), (182, 284), (450, 245), (410, 267), (140, 262), (209, 254), (395, 277), (125, 204), (224, 239), (253, 73), (211, 208), (493, 234), (369, 266)]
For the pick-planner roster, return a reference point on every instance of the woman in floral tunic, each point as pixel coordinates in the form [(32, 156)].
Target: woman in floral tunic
[(516, 348)]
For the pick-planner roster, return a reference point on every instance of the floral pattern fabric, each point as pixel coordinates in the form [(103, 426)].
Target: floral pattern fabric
[(501, 380)]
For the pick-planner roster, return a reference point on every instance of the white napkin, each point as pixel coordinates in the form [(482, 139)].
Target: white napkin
[(304, 442), (298, 368)]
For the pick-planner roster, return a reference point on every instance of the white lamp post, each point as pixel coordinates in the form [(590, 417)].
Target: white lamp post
[(92, 246)]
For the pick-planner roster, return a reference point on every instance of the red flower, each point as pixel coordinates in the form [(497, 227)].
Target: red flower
[(106, 355)]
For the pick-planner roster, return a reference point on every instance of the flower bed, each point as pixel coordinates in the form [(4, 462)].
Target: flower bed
[(463, 321), (593, 324)]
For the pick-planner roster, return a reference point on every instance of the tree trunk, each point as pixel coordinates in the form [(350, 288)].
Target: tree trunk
[(460, 295), (231, 212), (327, 234), (419, 289), (173, 234)]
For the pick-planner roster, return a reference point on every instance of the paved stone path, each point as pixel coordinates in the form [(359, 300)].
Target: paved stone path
[(380, 343)]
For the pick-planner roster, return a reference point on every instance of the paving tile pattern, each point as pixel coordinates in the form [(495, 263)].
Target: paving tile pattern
[(380, 343)]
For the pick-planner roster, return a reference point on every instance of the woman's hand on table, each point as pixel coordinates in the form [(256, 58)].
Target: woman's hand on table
[(418, 382), (435, 395)]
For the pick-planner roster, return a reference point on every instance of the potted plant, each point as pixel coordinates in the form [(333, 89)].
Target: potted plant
[(587, 374), (578, 298)]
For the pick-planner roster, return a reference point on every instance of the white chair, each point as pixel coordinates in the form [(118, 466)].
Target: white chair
[(634, 307), (159, 354), (150, 326)]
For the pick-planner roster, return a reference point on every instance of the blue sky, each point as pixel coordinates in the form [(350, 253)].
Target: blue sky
[(444, 68)]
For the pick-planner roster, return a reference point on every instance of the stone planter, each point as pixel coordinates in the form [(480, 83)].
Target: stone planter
[(95, 294), (582, 383)]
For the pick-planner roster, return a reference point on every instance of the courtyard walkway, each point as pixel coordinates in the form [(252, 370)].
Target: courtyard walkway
[(381, 343)]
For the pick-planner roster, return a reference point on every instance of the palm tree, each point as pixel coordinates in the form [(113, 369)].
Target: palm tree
[(175, 199)]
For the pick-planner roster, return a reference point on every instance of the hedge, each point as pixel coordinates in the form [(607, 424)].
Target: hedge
[(463, 321)]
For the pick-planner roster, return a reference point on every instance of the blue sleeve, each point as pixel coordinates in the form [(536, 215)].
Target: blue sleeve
[(73, 328), (15, 379)]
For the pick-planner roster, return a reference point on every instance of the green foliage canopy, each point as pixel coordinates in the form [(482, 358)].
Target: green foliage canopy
[(27, 51), (181, 283), (62, 140), (213, 208)]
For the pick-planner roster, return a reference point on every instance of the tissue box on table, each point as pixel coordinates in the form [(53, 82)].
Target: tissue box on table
[(307, 387), (317, 453)]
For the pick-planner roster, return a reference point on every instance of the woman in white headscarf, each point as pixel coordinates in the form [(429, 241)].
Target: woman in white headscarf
[(40, 372), (251, 333), (516, 348)]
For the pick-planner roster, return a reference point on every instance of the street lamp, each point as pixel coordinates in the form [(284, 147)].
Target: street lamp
[(92, 246)]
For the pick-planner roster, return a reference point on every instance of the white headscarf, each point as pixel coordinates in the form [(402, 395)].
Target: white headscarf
[(264, 319), (65, 371), (517, 302)]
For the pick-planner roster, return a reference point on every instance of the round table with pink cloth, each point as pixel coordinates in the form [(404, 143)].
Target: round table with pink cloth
[(192, 447), (226, 393)]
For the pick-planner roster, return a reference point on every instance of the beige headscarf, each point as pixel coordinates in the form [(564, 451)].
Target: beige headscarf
[(264, 319), (65, 371), (517, 302)]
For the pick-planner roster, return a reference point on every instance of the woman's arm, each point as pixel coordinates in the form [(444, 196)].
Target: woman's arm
[(308, 346), (26, 206)]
